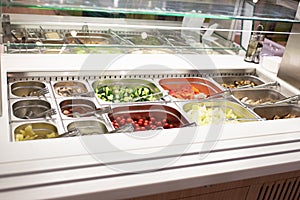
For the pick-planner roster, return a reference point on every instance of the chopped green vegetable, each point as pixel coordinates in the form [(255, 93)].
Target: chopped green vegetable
[(122, 93)]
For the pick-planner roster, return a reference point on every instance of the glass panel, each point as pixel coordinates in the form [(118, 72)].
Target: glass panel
[(33, 38), (270, 10)]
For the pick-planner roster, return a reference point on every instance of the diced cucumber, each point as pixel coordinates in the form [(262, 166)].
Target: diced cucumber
[(110, 97)]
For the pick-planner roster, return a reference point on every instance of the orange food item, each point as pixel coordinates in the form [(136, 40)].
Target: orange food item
[(196, 91)]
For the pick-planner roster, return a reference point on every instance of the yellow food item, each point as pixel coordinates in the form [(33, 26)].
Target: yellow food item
[(28, 133)]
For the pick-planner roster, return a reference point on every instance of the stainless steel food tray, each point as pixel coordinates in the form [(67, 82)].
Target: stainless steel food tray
[(169, 112), (47, 125), (79, 104), (127, 83), (19, 108), (88, 126), (258, 94), (268, 112), (71, 88), (23, 89), (243, 114), (206, 86), (228, 80)]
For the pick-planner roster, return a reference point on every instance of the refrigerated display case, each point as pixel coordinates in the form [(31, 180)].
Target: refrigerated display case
[(120, 108)]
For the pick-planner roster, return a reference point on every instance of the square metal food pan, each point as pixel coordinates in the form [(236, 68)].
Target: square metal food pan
[(257, 96), (114, 87), (74, 88), (40, 128), (28, 109), (88, 126), (278, 112), (23, 89), (77, 107), (218, 111), (193, 87), (148, 116), (231, 81)]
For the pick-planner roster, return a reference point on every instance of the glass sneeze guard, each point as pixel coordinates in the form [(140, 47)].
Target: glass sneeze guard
[(224, 9)]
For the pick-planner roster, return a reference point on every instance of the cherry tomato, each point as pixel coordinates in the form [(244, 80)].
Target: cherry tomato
[(146, 124), (137, 128), (164, 121), (128, 120), (158, 124), (166, 125), (140, 123), (118, 118), (143, 129), (171, 126)]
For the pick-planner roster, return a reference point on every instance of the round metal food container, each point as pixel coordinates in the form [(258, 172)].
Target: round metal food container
[(26, 88), (33, 131), (29, 109), (77, 107), (88, 127), (69, 88)]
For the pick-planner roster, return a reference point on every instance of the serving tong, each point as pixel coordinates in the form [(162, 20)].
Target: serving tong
[(264, 85), (96, 113), (292, 99), (127, 128), (244, 119), (224, 93), (47, 113), (40, 92)]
